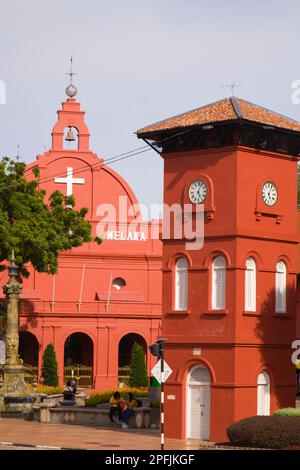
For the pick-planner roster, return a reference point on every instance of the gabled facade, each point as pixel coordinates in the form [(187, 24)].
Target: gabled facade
[(104, 297)]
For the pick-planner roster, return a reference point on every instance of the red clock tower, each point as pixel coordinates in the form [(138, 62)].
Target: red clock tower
[(229, 308)]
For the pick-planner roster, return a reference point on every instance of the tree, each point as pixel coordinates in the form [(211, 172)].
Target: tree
[(49, 368), (37, 230), (138, 372)]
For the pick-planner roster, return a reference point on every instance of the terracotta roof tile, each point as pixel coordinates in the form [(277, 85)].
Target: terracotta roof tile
[(228, 109)]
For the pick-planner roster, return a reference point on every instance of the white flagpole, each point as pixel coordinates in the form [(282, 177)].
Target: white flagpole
[(108, 295), (53, 291), (81, 287)]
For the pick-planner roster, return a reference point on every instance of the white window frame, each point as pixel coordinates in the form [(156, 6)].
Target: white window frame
[(181, 284), (218, 288), (250, 285), (280, 287)]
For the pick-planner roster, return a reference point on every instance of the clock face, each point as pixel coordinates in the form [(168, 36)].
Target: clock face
[(197, 191), (269, 193)]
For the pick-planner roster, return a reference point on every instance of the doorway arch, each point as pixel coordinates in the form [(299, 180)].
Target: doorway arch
[(124, 356), (29, 353), (125, 347), (78, 359), (198, 403)]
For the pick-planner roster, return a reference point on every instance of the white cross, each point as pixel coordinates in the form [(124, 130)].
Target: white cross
[(70, 181)]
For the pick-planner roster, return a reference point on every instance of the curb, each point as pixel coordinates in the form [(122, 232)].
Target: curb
[(222, 447), (36, 446)]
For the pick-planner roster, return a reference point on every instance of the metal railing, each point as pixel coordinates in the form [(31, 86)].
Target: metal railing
[(124, 373), (81, 374)]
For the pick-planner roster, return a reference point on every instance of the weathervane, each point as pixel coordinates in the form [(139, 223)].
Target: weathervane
[(232, 86), (71, 90), (18, 156), (71, 73)]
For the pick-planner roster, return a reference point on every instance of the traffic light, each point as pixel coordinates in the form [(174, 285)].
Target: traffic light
[(155, 349)]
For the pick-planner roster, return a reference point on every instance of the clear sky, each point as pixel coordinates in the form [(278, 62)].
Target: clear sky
[(139, 61)]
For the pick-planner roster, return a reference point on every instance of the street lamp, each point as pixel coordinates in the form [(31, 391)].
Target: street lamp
[(15, 395), (13, 269)]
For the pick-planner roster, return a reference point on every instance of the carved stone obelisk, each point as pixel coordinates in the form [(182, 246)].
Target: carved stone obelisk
[(14, 394)]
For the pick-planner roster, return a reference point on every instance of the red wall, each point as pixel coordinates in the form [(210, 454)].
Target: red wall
[(134, 309), (235, 345)]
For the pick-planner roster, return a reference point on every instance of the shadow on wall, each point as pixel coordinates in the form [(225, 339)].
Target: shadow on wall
[(279, 329), (27, 308)]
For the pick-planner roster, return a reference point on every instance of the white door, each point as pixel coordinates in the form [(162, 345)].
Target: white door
[(198, 404), (263, 394)]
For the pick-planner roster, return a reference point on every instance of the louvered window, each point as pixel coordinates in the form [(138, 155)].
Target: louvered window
[(280, 287), (250, 285), (181, 284), (218, 283)]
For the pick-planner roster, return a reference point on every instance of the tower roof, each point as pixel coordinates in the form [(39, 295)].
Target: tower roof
[(226, 110)]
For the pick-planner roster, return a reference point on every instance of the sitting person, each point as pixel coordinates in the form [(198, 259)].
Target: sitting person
[(73, 385), (130, 404), (115, 407), (69, 394)]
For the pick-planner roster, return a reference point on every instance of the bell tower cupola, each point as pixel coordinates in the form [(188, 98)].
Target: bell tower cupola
[(70, 125)]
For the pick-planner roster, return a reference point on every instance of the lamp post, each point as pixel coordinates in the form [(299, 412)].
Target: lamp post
[(14, 393), (12, 292)]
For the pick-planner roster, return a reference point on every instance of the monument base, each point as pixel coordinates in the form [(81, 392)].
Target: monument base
[(15, 395)]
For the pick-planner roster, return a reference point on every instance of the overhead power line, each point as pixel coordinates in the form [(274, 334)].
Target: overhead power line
[(112, 160)]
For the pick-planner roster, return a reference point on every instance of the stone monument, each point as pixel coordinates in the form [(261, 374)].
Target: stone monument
[(15, 395)]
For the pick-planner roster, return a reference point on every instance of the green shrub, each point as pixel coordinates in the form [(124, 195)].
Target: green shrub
[(272, 432), (288, 412), (103, 397), (138, 371), (49, 369)]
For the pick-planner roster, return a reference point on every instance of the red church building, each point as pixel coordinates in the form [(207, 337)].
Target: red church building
[(104, 297), (229, 308)]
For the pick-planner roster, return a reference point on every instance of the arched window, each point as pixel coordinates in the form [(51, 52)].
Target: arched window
[(218, 283), (118, 283), (263, 394), (280, 287), (250, 285), (181, 284)]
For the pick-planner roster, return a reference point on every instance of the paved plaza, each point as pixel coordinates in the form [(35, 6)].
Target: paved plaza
[(22, 432)]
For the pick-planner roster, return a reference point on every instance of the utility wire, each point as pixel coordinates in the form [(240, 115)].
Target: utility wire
[(85, 168), (112, 160)]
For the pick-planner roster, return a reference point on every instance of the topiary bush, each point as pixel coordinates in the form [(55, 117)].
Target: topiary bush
[(271, 432), (138, 371), (288, 412), (49, 369)]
